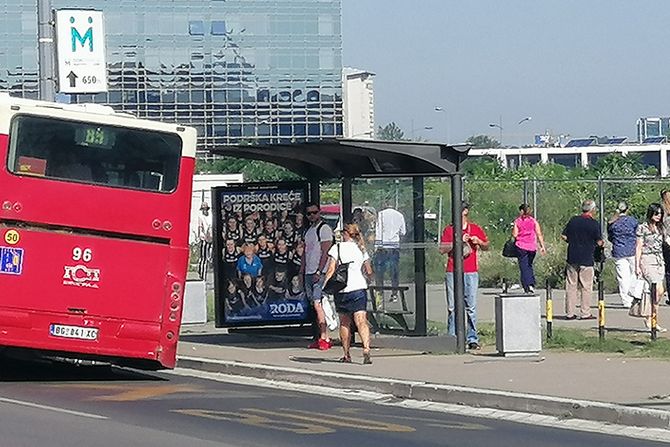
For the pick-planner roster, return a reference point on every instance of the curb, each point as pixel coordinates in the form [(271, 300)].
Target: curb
[(472, 397)]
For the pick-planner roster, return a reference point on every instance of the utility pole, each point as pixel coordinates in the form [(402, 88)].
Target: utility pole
[(45, 29)]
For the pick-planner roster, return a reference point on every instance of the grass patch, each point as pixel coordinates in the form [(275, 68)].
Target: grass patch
[(634, 343), (487, 334), (210, 305)]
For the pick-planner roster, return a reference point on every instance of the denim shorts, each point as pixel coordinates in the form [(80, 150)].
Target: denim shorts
[(351, 302), (313, 290)]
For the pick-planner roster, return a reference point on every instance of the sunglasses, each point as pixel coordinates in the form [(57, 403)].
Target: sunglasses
[(658, 213), (309, 213)]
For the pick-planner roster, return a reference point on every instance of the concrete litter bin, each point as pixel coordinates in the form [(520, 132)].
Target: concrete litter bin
[(518, 324), (195, 303)]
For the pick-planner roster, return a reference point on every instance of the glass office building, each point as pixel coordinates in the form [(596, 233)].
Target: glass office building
[(648, 128), (237, 70)]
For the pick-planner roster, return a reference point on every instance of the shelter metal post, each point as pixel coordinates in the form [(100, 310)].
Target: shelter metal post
[(419, 256), (315, 191), (346, 199), (459, 292)]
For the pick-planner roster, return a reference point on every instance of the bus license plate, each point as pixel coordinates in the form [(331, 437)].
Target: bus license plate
[(82, 333)]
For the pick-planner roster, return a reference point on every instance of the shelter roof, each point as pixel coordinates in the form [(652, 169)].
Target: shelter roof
[(341, 157)]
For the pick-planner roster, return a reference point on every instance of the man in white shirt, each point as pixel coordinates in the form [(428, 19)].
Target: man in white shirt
[(390, 228), (318, 240), (204, 239)]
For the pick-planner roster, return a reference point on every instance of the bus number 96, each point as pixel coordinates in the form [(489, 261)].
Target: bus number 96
[(82, 255)]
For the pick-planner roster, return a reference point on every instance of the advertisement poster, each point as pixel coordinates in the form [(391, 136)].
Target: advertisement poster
[(258, 251)]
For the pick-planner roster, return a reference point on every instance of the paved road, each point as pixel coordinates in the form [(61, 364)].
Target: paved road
[(41, 405)]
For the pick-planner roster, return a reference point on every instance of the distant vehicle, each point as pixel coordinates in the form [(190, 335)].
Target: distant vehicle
[(332, 215), (94, 223)]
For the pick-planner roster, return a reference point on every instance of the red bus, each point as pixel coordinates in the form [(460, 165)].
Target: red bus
[(94, 219)]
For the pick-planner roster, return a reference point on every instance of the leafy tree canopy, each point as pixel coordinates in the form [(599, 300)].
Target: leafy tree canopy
[(391, 132), (610, 166), (482, 142), (254, 171)]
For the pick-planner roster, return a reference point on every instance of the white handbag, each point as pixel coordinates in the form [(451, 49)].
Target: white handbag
[(332, 320), (637, 288)]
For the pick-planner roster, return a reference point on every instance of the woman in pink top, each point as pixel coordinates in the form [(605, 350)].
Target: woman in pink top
[(527, 233)]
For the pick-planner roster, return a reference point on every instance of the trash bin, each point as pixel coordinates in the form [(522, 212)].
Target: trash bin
[(518, 324), (195, 303)]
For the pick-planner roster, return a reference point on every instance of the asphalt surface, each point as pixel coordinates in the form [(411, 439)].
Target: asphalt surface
[(45, 405)]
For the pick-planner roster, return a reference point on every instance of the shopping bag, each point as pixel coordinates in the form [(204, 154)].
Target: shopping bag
[(637, 288), (332, 320), (641, 307)]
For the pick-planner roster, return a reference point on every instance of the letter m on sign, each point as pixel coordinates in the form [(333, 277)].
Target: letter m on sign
[(78, 38)]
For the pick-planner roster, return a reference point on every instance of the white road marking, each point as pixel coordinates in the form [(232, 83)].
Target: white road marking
[(650, 434), (48, 408)]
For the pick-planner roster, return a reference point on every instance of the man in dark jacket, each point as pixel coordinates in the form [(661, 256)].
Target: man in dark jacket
[(583, 235)]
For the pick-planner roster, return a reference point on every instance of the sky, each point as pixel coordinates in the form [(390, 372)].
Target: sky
[(576, 67)]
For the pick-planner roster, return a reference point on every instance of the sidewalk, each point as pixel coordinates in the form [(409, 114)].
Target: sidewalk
[(609, 388)]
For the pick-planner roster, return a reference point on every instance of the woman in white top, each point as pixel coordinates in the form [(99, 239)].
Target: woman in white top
[(352, 300)]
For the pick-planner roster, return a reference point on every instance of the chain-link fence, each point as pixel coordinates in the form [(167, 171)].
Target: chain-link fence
[(495, 205)]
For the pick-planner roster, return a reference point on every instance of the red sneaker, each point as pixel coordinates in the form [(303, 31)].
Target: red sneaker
[(315, 345), (324, 345)]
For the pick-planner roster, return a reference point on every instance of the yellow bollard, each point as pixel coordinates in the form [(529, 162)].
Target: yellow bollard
[(550, 311)]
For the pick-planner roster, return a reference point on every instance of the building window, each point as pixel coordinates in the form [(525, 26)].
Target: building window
[(196, 28), (595, 158), (531, 159), (567, 160), (649, 158), (513, 161), (218, 28)]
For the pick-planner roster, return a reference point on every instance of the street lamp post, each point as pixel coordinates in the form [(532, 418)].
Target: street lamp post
[(440, 109), (369, 134), (45, 45), (521, 121), (500, 127), (419, 128)]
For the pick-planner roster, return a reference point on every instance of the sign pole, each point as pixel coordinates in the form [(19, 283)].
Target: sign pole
[(45, 44)]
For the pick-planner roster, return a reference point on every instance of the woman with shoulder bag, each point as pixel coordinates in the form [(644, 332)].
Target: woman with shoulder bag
[(527, 233), (649, 264), (352, 301)]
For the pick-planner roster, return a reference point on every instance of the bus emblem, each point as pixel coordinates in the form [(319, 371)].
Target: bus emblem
[(81, 276)]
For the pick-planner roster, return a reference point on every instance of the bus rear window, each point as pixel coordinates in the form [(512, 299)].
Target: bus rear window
[(94, 153)]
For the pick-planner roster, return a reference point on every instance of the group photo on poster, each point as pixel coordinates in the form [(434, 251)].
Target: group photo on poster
[(260, 232)]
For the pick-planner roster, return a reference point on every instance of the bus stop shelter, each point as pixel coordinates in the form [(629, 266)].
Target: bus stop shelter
[(345, 160)]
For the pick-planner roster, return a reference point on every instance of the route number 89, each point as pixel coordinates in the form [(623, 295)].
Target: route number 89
[(82, 255)]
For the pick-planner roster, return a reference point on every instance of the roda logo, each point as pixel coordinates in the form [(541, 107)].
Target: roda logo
[(286, 308)]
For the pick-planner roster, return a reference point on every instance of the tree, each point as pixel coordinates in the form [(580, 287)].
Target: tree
[(253, 170), (616, 165), (391, 132), (482, 142)]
